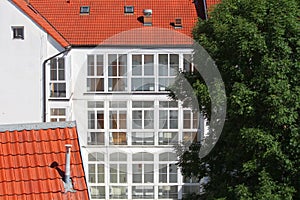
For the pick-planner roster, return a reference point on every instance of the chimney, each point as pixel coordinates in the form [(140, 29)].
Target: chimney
[(147, 17), (67, 179)]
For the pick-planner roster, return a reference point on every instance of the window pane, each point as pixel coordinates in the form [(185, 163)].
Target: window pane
[(148, 65), (163, 64), (97, 192)]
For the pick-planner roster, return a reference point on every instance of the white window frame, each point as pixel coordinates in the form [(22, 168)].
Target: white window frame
[(95, 73)]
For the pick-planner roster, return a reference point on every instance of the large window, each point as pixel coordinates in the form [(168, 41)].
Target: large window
[(96, 175), (96, 123), (142, 114), (117, 72), (95, 73), (142, 168), (167, 168), (168, 66), (168, 115), (57, 77), (143, 73), (118, 175), (117, 114)]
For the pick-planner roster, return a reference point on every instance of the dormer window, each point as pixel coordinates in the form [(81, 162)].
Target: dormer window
[(85, 10), (18, 32), (128, 9)]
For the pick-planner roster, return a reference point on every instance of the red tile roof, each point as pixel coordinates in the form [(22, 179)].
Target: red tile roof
[(41, 21), (25, 158), (107, 17)]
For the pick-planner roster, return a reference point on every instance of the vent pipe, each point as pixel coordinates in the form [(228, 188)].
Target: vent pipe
[(67, 179)]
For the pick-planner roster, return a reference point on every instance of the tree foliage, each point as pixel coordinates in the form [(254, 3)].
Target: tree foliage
[(256, 47)]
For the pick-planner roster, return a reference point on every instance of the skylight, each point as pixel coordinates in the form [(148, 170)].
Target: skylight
[(129, 9), (84, 9)]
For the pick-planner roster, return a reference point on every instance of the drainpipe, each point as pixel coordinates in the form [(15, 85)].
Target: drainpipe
[(44, 80), (67, 179)]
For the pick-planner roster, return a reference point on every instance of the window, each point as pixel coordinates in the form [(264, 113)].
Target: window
[(168, 192), (168, 115), (142, 138), (167, 168), (95, 73), (97, 192), (84, 9), (142, 114), (96, 169), (96, 174), (143, 73), (188, 63), (189, 137), (190, 119), (190, 189), (118, 138), (96, 123), (168, 67), (142, 172), (117, 72), (57, 77), (167, 138), (118, 192), (118, 115), (118, 175), (143, 192), (128, 9), (18, 32), (57, 114)]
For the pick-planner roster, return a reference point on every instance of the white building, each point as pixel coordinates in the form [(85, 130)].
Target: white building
[(107, 65)]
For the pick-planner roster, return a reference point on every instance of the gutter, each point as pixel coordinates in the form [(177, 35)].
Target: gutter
[(44, 81)]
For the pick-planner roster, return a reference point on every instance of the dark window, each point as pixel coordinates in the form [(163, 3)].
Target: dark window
[(128, 9), (18, 32), (84, 9)]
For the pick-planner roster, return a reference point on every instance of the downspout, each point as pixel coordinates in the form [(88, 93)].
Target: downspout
[(205, 9), (44, 81)]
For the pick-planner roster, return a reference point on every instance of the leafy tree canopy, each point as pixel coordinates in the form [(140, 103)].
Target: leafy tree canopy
[(256, 47)]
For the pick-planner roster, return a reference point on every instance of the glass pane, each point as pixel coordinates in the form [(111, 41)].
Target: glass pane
[(174, 64), (148, 65), (112, 59), (163, 64)]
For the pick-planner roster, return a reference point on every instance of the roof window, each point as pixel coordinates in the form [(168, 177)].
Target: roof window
[(178, 23), (128, 9), (84, 9)]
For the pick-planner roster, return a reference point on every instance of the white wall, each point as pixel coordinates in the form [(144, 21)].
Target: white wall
[(21, 66)]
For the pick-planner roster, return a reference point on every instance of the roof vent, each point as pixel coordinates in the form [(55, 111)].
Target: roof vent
[(147, 17), (128, 9), (67, 179), (84, 9)]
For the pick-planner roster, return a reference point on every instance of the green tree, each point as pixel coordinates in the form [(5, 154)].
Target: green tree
[(256, 46)]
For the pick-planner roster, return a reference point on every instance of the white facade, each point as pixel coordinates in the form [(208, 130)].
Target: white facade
[(21, 68), (128, 127), (126, 122)]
